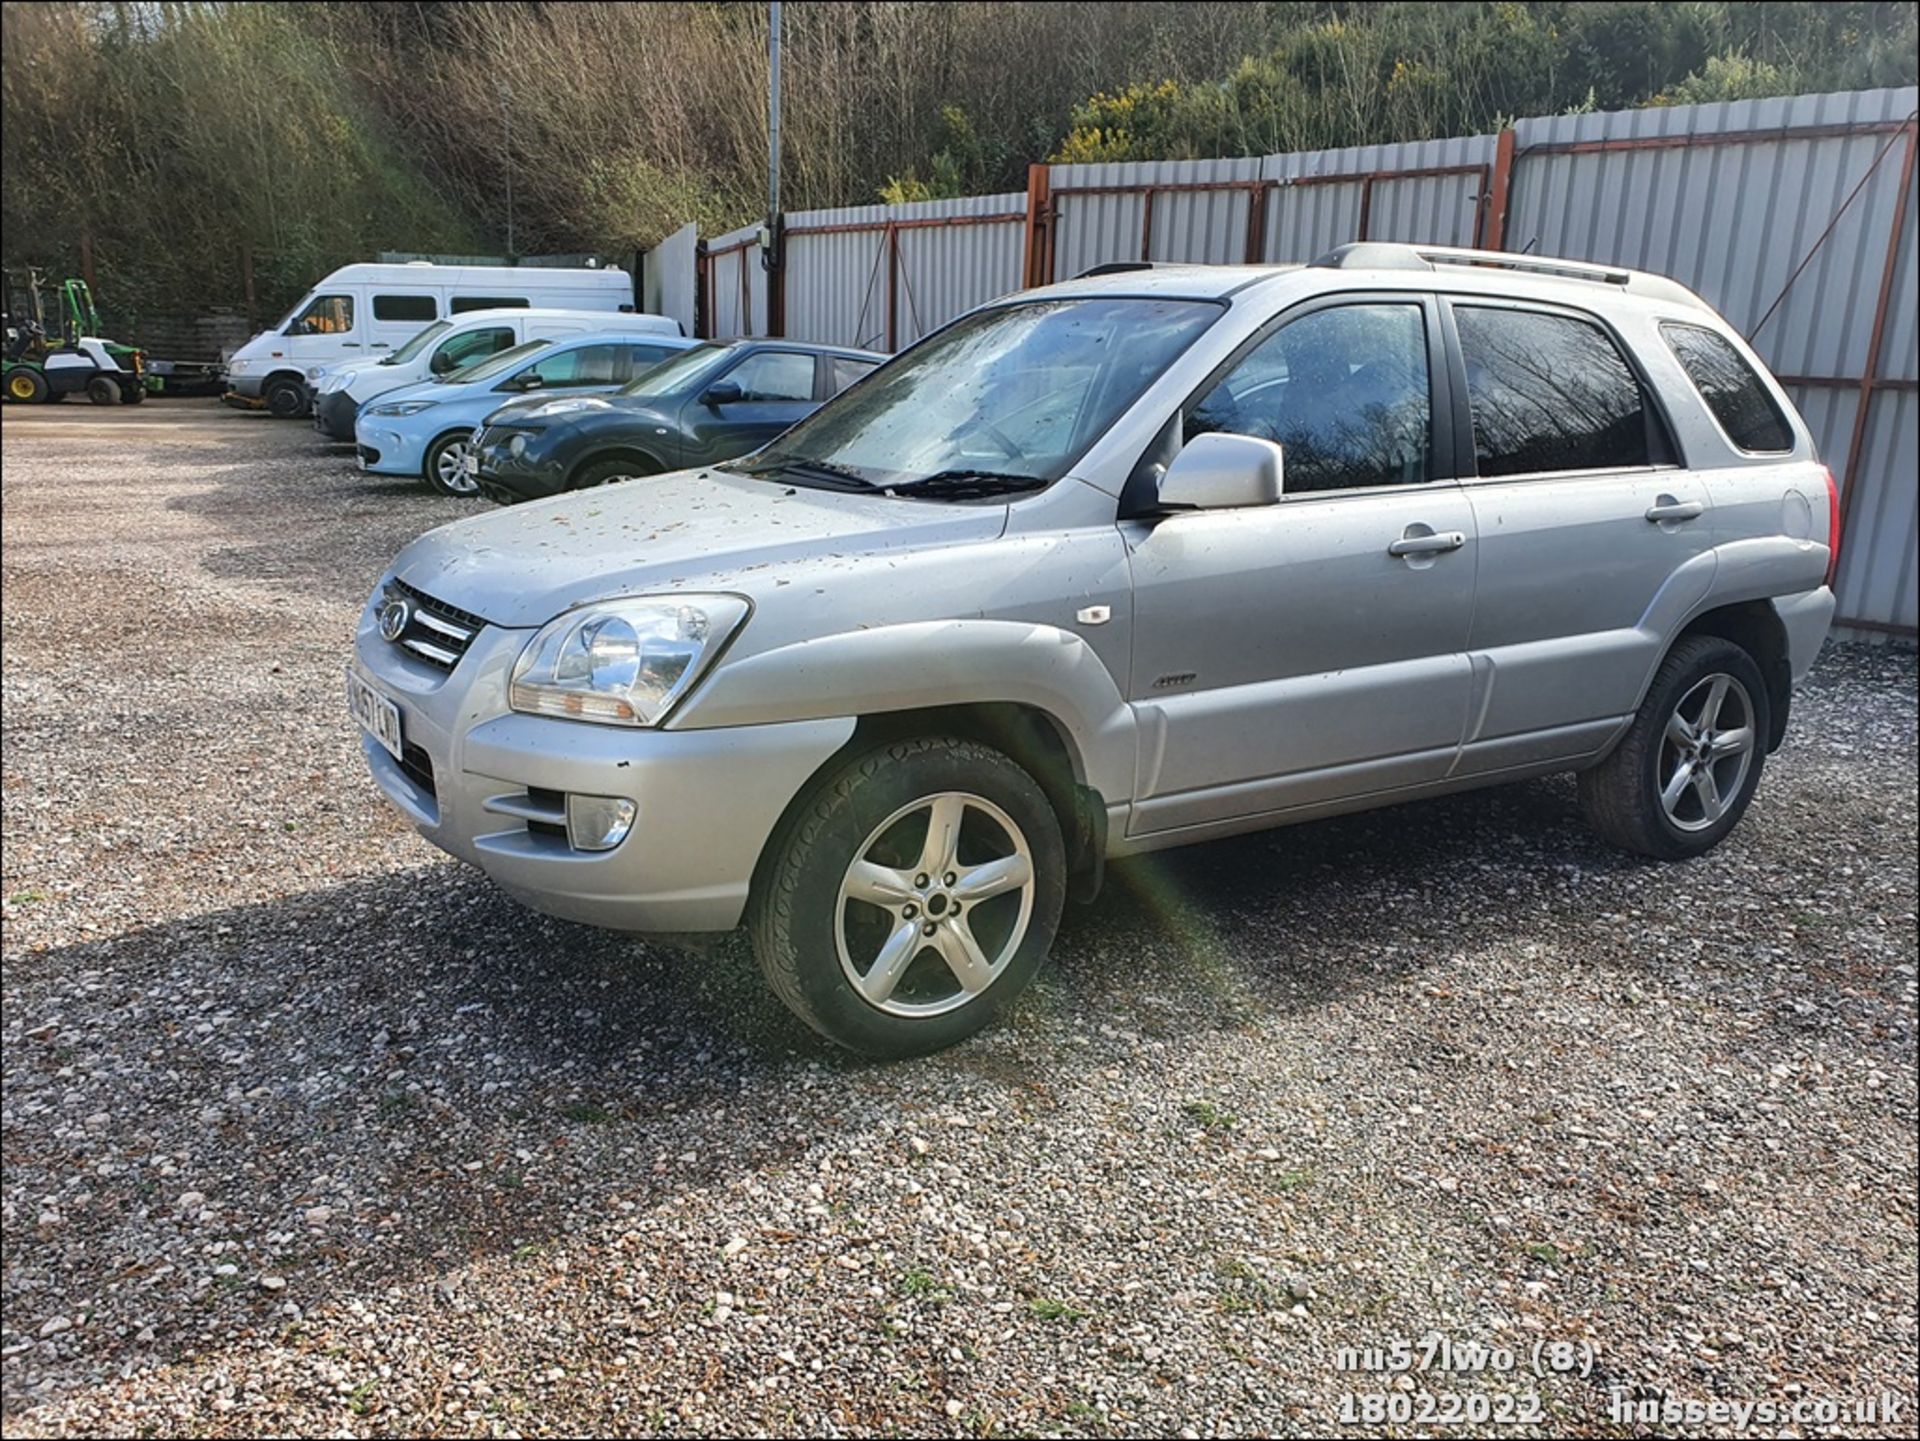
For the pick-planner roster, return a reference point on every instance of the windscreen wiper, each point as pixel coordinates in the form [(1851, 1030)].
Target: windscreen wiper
[(840, 476), (967, 485)]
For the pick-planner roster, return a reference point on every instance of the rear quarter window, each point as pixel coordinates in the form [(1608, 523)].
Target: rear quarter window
[(405, 307), (1731, 389)]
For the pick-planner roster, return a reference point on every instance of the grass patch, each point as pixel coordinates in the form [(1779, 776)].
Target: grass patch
[(585, 1113), (398, 1103), (1211, 1116), (26, 898), (1045, 1308), (923, 1285)]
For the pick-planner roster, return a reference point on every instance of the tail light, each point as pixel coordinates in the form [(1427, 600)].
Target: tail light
[(1833, 528)]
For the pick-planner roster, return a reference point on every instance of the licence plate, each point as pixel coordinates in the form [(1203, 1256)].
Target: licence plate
[(472, 462), (377, 716)]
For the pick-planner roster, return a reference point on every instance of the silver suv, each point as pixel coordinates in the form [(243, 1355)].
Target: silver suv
[(1155, 556)]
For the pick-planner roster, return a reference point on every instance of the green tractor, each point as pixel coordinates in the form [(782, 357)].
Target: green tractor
[(42, 366)]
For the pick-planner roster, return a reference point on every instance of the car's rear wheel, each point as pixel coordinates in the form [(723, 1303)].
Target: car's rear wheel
[(103, 390), (610, 471), (910, 896), (1688, 766), (26, 386), (445, 468), (286, 399)]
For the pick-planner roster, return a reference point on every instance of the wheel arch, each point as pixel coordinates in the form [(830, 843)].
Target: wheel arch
[(1028, 735), (623, 451), (1755, 626)]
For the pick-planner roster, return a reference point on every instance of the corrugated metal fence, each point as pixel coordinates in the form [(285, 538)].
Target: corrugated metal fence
[(1795, 217)]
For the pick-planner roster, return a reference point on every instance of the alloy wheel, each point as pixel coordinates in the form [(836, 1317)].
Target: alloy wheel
[(1706, 752), (935, 905)]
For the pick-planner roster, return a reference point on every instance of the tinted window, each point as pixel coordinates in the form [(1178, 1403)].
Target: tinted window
[(1549, 392), (405, 307), (464, 303), (474, 345), (774, 375), (1345, 392), (324, 315), (586, 365), (1730, 388), (844, 372)]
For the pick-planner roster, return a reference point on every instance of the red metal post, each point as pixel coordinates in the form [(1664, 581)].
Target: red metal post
[(1257, 221), (1870, 375), (1039, 219), (1366, 205), (1493, 234), (1146, 225)]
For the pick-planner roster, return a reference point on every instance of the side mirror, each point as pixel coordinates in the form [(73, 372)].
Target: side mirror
[(529, 380), (441, 363), (722, 392), (1218, 471)]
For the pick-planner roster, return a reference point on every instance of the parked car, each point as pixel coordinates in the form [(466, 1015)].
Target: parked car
[(710, 404), (1110, 566), (368, 310), (448, 346), (424, 429)]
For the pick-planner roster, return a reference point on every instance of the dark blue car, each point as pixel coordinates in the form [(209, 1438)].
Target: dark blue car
[(712, 403)]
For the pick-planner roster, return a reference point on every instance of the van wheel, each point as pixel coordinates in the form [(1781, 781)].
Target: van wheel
[(286, 399), (910, 896), (26, 386), (610, 471), (1688, 767), (103, 390), (445, 468)]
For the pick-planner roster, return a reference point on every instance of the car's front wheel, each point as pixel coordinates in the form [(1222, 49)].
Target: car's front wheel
[(286, 399), (1687, 768), (103, 390), (910, 896), (445, 468)]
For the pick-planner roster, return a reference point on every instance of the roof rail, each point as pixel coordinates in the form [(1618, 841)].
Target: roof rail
[(1381, 255), (1116, 267)]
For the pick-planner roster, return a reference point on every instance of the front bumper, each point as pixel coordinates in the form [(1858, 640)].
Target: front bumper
[(386, 450), (508, 479), (334, 413), (246, 387), (707, 800)]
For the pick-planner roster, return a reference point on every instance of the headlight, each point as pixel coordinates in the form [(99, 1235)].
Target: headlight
[(623, 662), (333, 383), (517, 447), (576, 402), (404, 407)]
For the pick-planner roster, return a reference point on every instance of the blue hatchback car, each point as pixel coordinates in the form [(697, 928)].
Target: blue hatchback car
[(424, 429)]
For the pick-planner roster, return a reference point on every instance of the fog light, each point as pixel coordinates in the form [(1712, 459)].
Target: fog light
[(598, 823), (517, 447)]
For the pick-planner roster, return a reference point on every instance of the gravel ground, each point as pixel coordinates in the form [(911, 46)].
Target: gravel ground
[(308, 1129)]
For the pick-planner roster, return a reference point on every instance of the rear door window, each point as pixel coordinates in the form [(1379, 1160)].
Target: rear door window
[(1730, 388), (843, 372), (1549, 392), (642, 358), (415, 308)]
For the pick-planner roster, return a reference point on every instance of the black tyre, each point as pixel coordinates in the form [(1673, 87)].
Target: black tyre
[(611, 469), (1687, 768), (103, 390), (132, 393), (26, 386), (286, 399), (910, 896), (445, 466)]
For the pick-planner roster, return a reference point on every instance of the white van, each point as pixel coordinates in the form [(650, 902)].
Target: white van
[(365, 310), (447, 345)]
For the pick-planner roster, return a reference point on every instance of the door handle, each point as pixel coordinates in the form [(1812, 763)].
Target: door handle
[(349, 345), (1427, 544), (1676, 510)]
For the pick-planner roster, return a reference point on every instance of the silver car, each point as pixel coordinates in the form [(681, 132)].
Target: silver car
[(1146, 558)]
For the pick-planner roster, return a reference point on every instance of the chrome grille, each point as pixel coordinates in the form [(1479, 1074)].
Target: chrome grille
[(435, 632)]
